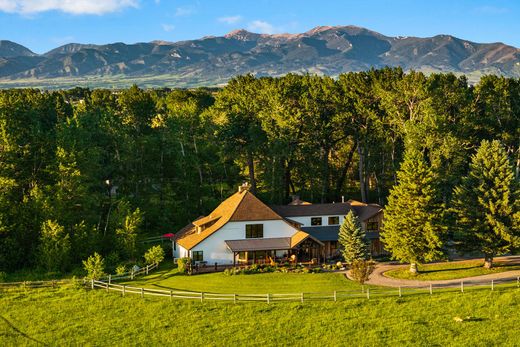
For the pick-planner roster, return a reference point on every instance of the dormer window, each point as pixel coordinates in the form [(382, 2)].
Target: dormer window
[(254, 231)]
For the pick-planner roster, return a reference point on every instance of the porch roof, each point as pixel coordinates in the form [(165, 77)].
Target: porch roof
[(269, 244)]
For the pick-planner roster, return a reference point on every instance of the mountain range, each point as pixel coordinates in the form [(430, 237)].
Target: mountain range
[(327, 50)]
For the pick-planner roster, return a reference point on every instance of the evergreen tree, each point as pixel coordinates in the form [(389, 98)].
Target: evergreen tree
[(486, 203), (352, 239), (412, 230)]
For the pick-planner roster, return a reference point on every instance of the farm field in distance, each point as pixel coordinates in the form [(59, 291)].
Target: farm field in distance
[(76, 317)]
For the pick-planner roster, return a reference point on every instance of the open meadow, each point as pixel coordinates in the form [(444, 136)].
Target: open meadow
[(68, 316)]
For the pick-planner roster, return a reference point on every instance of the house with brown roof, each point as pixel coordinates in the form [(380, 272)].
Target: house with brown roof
[(242, 229)]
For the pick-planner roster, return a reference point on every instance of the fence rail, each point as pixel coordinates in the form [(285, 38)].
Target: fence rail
[(59, 283), (365, 292), (35, 284)]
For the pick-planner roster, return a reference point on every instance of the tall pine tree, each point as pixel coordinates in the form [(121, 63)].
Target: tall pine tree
[(412, 229), (352, 239), (486, 203)]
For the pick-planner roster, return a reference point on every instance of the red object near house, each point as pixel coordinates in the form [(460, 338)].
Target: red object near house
[(169, 235)]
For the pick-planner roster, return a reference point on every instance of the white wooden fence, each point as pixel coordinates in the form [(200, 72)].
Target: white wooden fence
[(365, 292)]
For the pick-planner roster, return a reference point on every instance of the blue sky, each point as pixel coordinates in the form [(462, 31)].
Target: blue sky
[(45, 24)]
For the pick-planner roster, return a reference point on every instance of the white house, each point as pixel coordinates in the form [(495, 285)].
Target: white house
[(242, 229)]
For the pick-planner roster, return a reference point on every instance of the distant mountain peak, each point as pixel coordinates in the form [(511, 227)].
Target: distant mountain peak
[(242, 35), (325, 50), (10, 49)]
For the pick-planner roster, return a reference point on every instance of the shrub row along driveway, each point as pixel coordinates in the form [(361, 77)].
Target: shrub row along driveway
[(378, 278)]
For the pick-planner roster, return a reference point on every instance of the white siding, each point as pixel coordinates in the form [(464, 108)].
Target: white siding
[(215, 249), (306, 221)]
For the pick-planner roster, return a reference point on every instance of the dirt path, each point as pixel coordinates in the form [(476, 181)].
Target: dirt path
[(378, 278)]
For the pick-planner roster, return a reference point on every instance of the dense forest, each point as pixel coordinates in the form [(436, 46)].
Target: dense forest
[(94, 170)]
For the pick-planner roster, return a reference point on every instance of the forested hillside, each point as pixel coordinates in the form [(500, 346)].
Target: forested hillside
[(91, 170)]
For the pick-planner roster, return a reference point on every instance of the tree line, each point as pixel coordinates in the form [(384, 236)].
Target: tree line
[(86, 171)]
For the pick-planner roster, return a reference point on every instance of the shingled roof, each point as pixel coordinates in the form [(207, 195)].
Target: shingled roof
[(241, 206), (362, 210)]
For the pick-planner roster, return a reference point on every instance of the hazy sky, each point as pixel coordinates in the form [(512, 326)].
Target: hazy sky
[(45, 24)]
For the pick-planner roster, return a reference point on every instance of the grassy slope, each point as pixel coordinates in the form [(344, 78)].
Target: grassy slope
[(447, 271), (68, 316), (247, 284)]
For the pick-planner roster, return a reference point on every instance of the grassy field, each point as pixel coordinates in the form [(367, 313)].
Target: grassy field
[(448, 271), (247, 284), (84, 317)]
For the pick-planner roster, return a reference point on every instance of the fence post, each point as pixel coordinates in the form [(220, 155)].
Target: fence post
[(142, 292), (462, 286), (234, 298), (368, 293), (109, 279), (431, 289), (147, 269), (132, 274), (400, 292), (216, 267), (335, 297), (107, 286), (492, 285), (268, 301), (92, 283), (124, 290), (302, 298), (518, 281), (201, 296)]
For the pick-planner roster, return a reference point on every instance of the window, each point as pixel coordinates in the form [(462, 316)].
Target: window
[(198, 256), (372, 226), (334, 220), (254, 231), (316, 221)]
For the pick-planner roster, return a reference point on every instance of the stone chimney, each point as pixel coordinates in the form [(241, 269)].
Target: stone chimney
[(245, 186)]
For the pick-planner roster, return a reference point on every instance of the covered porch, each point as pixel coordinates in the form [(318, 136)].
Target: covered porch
[(299, 248)]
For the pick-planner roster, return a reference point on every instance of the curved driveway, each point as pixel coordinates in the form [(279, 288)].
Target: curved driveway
[(378, 278)]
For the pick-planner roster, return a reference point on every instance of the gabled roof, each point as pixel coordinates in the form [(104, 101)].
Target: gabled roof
[(301, 236), (241, 206)]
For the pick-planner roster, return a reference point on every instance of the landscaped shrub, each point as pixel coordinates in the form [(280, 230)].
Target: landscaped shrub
[(183, 264), (121, 269), (154, 255), (361, 269), (95, 266)]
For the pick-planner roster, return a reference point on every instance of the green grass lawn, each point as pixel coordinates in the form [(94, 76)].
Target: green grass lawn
[(448, 271), (246, 284), (83, 317)]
